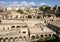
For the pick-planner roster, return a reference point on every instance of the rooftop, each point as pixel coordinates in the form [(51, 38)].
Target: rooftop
[(39, 30)]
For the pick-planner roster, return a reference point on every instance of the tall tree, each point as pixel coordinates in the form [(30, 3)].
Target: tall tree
[(55, 10), (58, 7), (48, 8), (20, 11), (55, 7), (41, 8)]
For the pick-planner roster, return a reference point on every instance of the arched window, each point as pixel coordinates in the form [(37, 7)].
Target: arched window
[(11, 16), (2, 16), (6, 16), (16, 16), (41, 35), (3, 28), (19, 31), (15, 37), (33, 37), (26, 16), (6, 40), (54, 35), (24, 32), (8, 28), (37, 36), (44, 21), (1, 40), (20, 17), (50, 35), (23, 17), (20, 38), (38, 17), (42, 29), (25, 37), (13, 27), (11, 39), (34, 16), (18, 27), (45, 35), (0, 21)]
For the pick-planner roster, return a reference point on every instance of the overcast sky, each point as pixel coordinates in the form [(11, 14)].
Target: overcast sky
[(29, 2)]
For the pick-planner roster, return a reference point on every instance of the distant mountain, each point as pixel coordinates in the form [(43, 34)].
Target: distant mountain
[(34, 6), (44, 5)]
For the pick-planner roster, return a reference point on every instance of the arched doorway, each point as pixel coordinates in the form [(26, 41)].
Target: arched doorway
[(6, 40), (20, 38), (12, 27), (37, 36), (54, 35), (49, 35), (11, 39), (45, 35), (16, 39), (1, 40), (41, 36), (0, 21), (32, 37), (24, 38), (16, 16)]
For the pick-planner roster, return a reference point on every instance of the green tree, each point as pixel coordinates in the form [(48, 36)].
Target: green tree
[(58, 13), (58, 7), (45, 9), (20, 11), (48, 8), (41, 8)]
